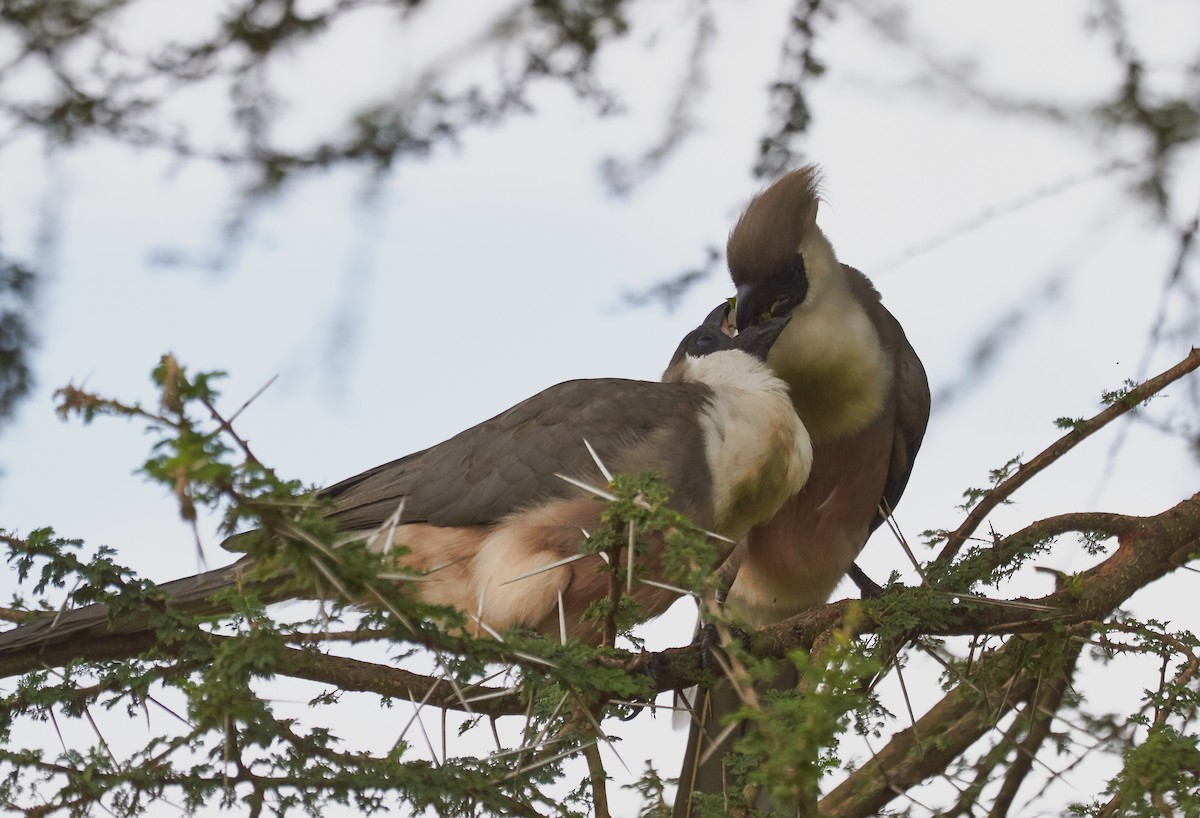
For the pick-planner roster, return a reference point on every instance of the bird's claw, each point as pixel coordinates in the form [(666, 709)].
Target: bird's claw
[(709, 639), (867, 587)]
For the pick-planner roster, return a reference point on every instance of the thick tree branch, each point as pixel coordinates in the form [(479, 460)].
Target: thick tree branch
[(343, 672), (1043, 706), (960, 719), (1149, 548)]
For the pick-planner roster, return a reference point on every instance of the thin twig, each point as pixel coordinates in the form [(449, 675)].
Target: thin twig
[(1026, 471)]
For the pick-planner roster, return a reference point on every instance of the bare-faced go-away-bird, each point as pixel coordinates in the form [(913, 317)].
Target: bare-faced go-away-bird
[(863, 396), (488, 507)]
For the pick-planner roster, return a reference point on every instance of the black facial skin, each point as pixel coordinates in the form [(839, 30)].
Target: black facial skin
[(708, 337), (778, 295)]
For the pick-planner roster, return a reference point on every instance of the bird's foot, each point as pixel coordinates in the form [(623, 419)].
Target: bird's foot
[(713, 649), (867, 587)]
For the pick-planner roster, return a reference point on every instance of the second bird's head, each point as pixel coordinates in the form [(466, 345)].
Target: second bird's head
[(711, 338)]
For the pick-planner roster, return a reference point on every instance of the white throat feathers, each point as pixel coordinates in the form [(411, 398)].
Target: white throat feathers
[(757, 449)]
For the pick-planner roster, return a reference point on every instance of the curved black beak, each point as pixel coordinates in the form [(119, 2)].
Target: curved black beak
[(716, 318), (756, 304), (757, 339)]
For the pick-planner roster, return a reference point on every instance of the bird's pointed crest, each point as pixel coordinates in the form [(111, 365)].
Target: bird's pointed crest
[(769, 233)]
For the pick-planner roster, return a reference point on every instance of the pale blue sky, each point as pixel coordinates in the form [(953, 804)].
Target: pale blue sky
[(496, 268)]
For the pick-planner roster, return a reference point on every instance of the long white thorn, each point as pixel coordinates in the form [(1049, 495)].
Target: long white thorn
[(524, 749), (416, 712), (600, 732), (329, 575), (449, 677), (596, 459), (424, 732), (562, 620), (486, 679), (543, 762), (443, 566), (538, 660), (603, 494), (541, 736), (508, 691), (716, 745), (665, 587), (629, 562), (886, 512), (479, 614), (717, 536), (393, 524), (492, 632), (545, 568), (608, 495), (1000, 603)]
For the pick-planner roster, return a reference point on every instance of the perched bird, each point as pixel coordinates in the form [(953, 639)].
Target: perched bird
[(862, 393), (487, 508)]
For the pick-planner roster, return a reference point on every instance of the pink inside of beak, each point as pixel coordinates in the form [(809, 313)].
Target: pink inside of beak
[(727, 327)]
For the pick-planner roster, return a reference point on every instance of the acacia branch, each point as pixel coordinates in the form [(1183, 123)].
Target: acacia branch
[(1026, 471), (1043, 706), (1149, 548), (343, 672), (960, 719)]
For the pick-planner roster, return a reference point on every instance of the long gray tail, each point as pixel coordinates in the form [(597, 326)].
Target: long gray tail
[(704, 770)]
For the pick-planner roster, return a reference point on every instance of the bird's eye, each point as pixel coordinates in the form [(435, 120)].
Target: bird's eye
[(704, 342)]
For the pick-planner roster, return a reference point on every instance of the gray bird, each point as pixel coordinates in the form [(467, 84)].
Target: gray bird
[(487, 508), (862, 393)]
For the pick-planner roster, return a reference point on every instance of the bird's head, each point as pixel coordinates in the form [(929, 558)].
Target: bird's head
[(712, 336), (831, 354), (778, 257)]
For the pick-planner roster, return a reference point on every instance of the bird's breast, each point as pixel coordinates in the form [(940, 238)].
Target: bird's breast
[(758, 453), (836, 366)]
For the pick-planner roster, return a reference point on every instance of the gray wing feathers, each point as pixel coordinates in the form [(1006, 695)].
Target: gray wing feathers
[(912, 416), (510, 461), (476, 478), (910, 393)]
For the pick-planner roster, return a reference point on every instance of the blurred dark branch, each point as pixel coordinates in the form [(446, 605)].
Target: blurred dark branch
[(547, 40), (669, 293), (18, 286), (1003, 209), (1167, 121), (988, 348), (1186, 241), (790, 114), (622, 176), (953, 73)]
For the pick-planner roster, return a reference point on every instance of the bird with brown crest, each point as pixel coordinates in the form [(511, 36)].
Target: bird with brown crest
[(862, 393)]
